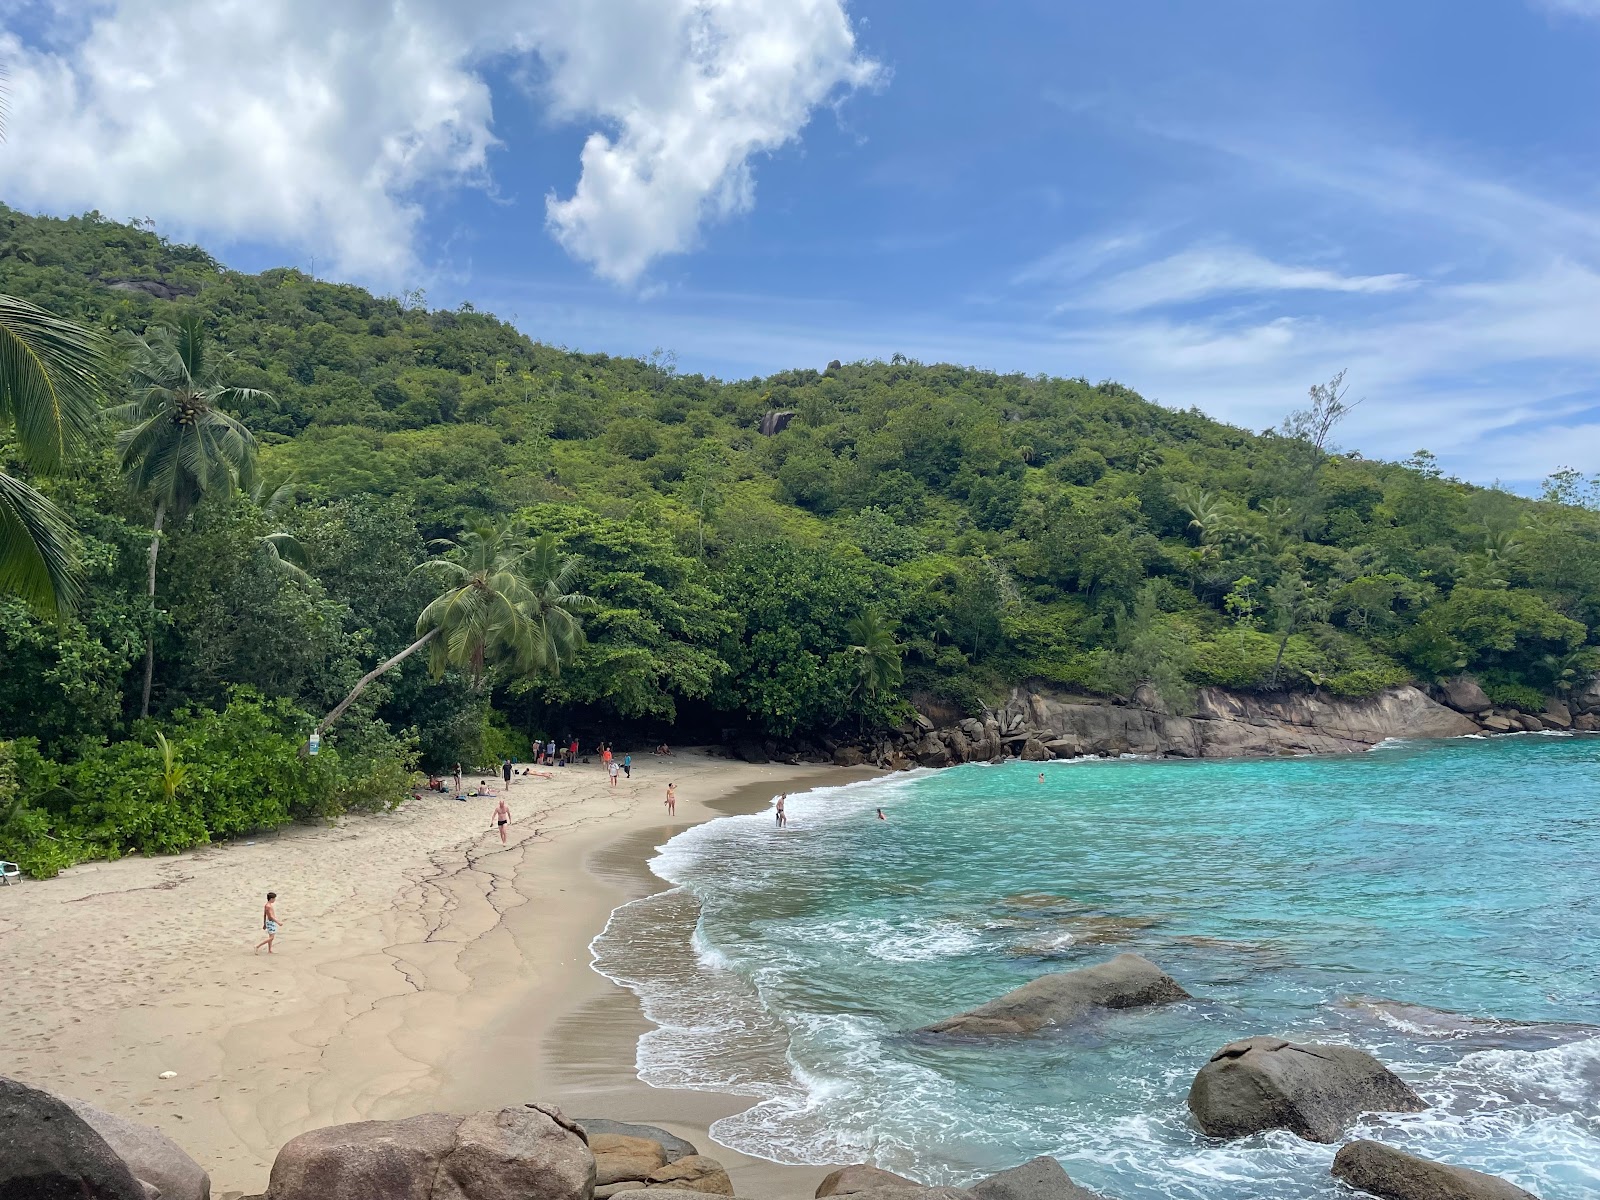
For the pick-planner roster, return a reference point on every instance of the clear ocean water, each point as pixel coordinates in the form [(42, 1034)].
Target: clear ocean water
[(1434, 903)]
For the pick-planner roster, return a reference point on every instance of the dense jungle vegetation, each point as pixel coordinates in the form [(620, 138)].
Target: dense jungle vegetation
[(915, 531)]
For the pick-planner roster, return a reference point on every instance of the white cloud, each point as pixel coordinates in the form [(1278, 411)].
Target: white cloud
[(1578, 8), (321, 125), (694, 90), (1203, 272)]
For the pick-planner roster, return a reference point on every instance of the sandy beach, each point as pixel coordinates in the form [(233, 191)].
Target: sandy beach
[(421, 966)]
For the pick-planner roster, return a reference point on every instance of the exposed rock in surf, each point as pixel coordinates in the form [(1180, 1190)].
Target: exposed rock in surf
[(1313, 1090), (693, 1173), (1127, 981), (674, 1146), (526, 1153), (1041, 1178), (1084, 931), (1395, 1175), (46, 1149), (859, 1177)]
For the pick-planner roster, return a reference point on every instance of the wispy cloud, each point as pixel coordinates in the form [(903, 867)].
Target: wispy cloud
[(1204, 272)]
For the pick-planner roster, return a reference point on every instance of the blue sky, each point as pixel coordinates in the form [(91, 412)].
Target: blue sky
[(1217, 204)]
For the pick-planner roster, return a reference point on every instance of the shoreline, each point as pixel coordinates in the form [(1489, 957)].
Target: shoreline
[(420, 967)]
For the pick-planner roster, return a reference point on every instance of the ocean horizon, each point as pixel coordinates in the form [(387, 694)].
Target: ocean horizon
[(1430, 902)]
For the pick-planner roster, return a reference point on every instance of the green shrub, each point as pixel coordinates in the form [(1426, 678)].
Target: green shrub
[(1508, 691)]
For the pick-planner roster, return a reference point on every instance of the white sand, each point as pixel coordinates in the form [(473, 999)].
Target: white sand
[(421, 966)]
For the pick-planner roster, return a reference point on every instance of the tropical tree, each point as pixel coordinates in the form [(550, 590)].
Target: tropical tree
[(177, 445), (50, 388), (876, 656), (505, 601)]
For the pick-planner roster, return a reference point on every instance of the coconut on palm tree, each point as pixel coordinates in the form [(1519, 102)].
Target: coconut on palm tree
[(504, 601), (50, 373), (177, 445)]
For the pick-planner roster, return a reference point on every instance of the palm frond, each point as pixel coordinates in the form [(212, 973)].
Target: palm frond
[(38, 553), (50, 382)]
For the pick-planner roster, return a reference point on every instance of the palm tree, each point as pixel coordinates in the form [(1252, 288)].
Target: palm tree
[(177, 446), (876, 654), (50, 373), (505, 601)]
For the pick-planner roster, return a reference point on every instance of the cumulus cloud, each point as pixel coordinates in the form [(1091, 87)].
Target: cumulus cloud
[(323, 125), (694, 90)]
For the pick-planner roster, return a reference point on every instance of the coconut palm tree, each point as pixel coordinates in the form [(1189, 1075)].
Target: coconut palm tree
[(50, 389), (876, 655), (504, 601), (177, 445)]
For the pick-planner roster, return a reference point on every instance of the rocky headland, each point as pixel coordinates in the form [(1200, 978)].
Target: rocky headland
[(1037, 722)]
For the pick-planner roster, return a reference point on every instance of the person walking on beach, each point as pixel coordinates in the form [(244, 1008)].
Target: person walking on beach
[(605, 760), (783, 818), (611, 770), (269, 922), (672, 799), (458, 782), (505, 771), (627, 765), (502, 818)]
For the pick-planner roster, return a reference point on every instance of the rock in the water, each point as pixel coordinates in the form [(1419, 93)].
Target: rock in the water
[(675, 1146), (1556, 715), (858, 1178), (151, 1155), (1495, 723), (49, 1152), (1464, 694), (1396, 1175), (1127, 981), (911, 1192), (527, 1153), (693, 1173), (1038, 1179), (618, 1157), (1314, 1090), (1587, 723)]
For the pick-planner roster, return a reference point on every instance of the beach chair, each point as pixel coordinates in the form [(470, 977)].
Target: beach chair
[(9, 871)]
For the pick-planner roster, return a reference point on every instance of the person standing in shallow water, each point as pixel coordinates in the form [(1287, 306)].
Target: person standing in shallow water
[(783, 818), (672, 800), (269, 922)]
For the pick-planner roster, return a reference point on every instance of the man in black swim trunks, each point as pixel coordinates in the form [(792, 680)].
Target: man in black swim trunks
[(502, 818)]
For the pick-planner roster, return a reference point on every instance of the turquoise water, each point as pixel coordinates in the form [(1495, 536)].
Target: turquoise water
[(1434, 903)]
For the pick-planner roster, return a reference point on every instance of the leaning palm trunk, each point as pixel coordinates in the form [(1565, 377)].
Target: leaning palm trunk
[(361, 684), (150, 634)]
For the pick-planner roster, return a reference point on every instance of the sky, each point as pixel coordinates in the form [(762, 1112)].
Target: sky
[(1216, 204)]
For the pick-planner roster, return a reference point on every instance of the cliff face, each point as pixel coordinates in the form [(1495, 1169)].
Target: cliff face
[(1037, 723)]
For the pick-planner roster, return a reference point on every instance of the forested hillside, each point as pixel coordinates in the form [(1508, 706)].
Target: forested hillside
[(912, 529)]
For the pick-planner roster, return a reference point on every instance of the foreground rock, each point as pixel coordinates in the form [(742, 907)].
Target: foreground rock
[(152, 1156), (672, 1145), (1127, 981), (619, 1158), (527, 1153), (847, 1181), (1395, 1175), (1038, 1179), (49, 1152), (1313, 1090), (693, 1173)]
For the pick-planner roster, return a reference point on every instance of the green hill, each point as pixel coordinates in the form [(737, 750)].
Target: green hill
[(1001, 527)]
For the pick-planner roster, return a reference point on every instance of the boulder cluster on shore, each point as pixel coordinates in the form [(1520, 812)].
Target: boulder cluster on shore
[(1038, 723), (54, 1147)]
